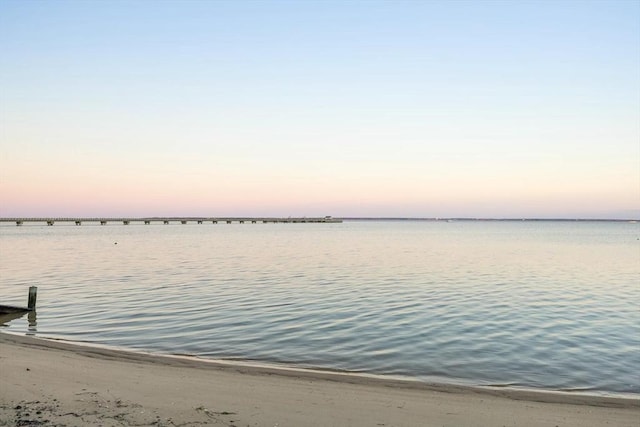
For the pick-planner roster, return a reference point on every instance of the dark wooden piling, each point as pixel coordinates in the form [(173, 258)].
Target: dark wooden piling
[(33, 295)]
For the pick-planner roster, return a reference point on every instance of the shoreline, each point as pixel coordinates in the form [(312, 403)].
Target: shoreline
[(256, 367), (66, 383), (607, 399)]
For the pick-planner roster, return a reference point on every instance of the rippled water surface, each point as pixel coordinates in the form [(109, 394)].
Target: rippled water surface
[(553, 305)]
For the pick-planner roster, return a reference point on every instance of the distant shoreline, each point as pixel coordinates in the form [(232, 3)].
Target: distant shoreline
[(327, 219), (488, 219)]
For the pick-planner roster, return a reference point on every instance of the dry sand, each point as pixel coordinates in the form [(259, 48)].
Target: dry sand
[(53, 383)]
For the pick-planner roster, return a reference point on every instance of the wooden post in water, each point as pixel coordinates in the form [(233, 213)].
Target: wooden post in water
[(33, 294)]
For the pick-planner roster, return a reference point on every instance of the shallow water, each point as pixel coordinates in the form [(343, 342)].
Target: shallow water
[(552, 305)]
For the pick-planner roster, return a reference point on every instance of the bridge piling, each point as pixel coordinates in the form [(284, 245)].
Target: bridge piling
[(166, 220)]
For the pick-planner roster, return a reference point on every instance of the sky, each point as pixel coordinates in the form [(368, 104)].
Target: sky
[(502, 109)]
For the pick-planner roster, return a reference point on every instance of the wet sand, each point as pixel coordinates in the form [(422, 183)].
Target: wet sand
[(54, 383)]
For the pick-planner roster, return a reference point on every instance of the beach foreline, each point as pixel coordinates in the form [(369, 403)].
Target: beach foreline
[(59, 375), (251, 367)]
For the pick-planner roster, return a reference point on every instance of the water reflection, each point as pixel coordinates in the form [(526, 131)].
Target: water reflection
[(8, 317), (32, 318)]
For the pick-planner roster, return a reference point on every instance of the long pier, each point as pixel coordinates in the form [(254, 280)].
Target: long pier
[(169, 220)]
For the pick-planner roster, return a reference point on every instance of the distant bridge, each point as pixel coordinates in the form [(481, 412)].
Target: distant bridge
[(169, 220)]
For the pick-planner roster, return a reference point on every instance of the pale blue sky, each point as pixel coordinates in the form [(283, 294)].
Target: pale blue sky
[(432, 108)]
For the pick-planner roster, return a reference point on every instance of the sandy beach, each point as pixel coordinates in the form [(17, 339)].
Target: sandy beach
[(54, 383)]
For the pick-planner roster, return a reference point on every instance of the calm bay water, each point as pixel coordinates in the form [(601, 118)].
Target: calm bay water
[(552, 305)]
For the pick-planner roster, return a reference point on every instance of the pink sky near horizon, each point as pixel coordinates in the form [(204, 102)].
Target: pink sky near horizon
[(127, 196)]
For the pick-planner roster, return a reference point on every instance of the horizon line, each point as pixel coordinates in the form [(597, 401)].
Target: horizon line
[(347, 218)]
